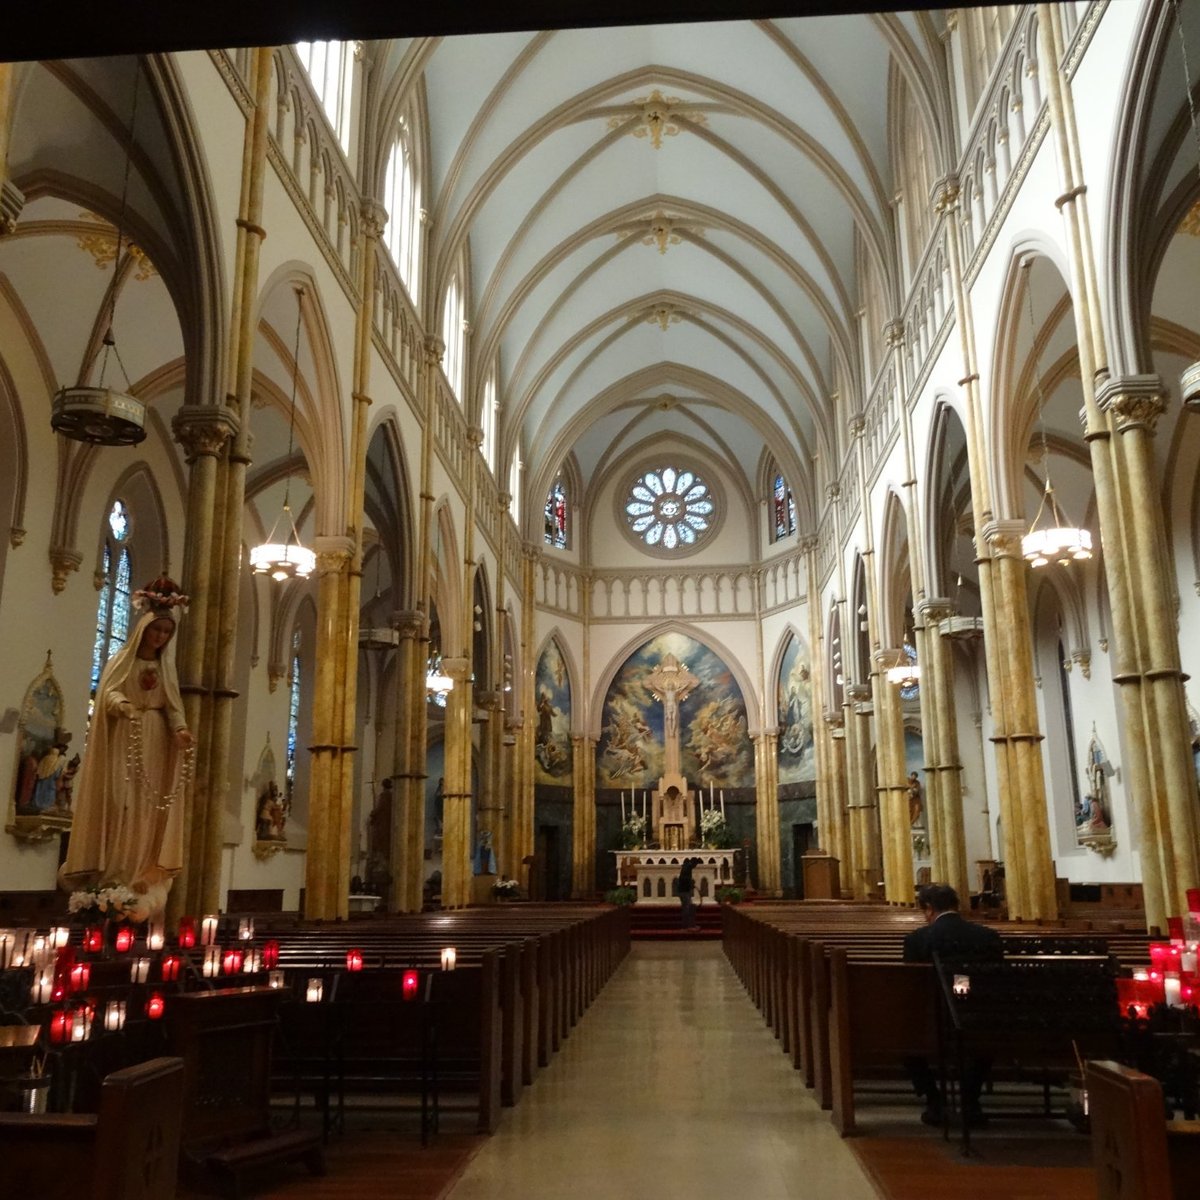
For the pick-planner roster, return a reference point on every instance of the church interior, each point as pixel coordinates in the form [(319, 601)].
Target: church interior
[(552, 457)]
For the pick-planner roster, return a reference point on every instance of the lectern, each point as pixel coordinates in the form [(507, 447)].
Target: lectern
[(821, 879)]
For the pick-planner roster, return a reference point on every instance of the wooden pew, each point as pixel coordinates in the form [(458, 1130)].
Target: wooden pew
[(129, 1150), (1138, 1155)]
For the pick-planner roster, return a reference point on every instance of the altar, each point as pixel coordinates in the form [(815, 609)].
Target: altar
[(652, 873)]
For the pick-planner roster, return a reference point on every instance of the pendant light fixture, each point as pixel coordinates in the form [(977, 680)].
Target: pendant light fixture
[(1189, 381), (290, 558), (97, 414), (1051, 538)]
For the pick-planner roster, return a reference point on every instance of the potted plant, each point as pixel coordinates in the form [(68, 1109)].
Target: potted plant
[(620, 896), (506, 889), (729, 895)]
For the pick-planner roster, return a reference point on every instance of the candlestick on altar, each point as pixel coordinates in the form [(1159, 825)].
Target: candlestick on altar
[(623, 818), (722, 804), (711, 785)]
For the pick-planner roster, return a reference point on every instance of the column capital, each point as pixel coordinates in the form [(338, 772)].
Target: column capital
[(945, 193), (63, 560), (893, 333), (809, 543), (1004, 537), (203, 429), (936, 608), (530, 551), (459, 669), (374, 218), (1134, 401), (435, 350), (504, 501), (833, 490), (333, 554), (857, 425), (856, 693), (410, 623), (474, 436), (890, 657)]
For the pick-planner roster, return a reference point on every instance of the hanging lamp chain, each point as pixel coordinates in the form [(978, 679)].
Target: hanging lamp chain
[(109, 341)]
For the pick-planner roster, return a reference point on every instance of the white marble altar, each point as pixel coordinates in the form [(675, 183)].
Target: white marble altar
[(652, 873)]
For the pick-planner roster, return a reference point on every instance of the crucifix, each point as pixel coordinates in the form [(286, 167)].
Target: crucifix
[(671, 683)]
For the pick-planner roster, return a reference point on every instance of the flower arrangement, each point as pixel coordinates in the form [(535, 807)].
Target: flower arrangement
[(730, 895), (633, 833), (620, 896), (713, 830), (506, 889), (110, 901)]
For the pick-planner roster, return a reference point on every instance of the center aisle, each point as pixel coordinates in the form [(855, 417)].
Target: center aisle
[(670, 1085)]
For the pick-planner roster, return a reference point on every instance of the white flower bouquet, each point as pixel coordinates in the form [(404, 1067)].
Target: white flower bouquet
[(110, 901)]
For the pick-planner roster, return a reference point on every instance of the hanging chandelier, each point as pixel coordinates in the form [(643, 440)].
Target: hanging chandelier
[(437, 683), (100, 415), (289, 558), (1051, 538), (907, 675)]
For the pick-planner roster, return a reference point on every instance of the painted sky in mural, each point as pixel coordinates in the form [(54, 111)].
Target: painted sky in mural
[(552, 700), (797, 757), (714, 744)]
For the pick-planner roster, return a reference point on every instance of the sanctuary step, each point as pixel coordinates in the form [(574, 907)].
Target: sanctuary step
[(657, 922)]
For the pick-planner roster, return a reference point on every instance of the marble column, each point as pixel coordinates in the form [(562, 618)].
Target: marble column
[(457, 832), (583, 814), (407, 856)]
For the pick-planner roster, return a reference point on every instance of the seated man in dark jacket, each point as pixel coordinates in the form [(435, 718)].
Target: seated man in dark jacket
[(946, 933)]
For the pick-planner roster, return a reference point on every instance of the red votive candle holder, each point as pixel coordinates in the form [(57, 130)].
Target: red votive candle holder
[(93, 939), (170, 968), (60, 1026), (123, 942), (155, 1006), (270, 955), (187, 933), (1193, 901), (232, 962), (354, 960), (408, 985), (81, 976), (1175, 930)]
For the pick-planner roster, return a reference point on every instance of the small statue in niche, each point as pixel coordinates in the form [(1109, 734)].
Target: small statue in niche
[(485, 856), (271, 821)]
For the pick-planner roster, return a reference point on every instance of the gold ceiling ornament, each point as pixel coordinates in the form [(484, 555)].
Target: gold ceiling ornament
[(659, 116), (101, 244), (660, 230), (663, 315), (1191, 220)]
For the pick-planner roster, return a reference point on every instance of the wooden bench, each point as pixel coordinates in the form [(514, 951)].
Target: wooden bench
[(129, 1150), (1137, 1153)]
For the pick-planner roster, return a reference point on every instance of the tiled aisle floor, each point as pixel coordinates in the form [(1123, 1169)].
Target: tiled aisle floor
[(670, 1086)]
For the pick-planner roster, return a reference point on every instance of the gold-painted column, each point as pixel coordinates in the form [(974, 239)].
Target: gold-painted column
[(583, 834), (835, 732), (862, 801), (457, 833), (1135, 406), (766, 812), (491, 799), (525, 816), (1028, 802), (893, 780), (407, 853), (11, 199)]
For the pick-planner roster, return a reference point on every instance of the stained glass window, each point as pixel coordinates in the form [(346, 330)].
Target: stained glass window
[(785, 509), (556, 516), (670, 508), (402, 200), (912, 690), (293, 713), (113, 606)]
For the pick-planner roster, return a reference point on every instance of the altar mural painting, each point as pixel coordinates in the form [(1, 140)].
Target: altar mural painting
[(797, 755), (552, 699), (715, 747)]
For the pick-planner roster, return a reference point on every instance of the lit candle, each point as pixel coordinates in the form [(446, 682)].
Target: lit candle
[(60, 935), (275, 979), (1175, 930), (7, 942), (170, 968), (1193, 901), (93, 938), (252, 962), (41, 949), (81, 975), (42, 989), (722, 804), (354, 960), (711, 793), (139, 970), (60, 1026), (270, 954), (123, 942), (187, 933), (623, 817), (408, 985), (114, 1015), (232, 962), (155, 938), (208, 930), (1172, 989), (212, 962), (314, 991), (155, 1006), (449, 958), (962, 985), (246, 929), (81, 1024), (1189, 958)]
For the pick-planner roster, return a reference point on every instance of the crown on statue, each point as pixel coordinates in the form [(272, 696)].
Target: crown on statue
[(163, 597)]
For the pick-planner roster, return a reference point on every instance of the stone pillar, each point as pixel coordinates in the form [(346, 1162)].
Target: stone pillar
[(1171, 834), (491, 797), (766, 812), (408, 804), (836, 757), (863, 801), (524, 815), (583, 836), (1025, 820), (457, 832)]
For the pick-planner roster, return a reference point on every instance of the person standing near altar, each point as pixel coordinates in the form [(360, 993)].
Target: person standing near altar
[(129, 799), (685, 886)]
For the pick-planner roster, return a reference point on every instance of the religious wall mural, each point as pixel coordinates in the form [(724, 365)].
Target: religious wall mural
[(552, 700), (708, 718), (41, 802), (797, 756), (1093, 810)]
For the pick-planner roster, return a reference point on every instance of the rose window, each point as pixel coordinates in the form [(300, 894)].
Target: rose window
[(669, 508)]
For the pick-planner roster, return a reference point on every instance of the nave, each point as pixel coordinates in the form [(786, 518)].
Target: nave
[(670, 1085)]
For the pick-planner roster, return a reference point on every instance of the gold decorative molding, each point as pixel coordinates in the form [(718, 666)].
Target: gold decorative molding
[(660, 230), (1191, 221), (663, 315), (102, 246), (659, 116)]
